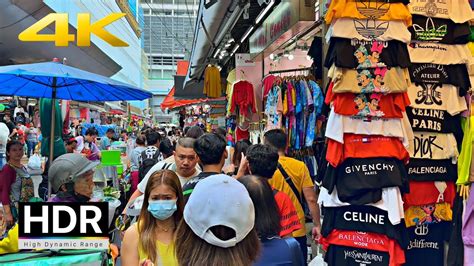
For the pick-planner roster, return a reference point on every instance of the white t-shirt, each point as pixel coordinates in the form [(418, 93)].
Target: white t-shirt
[(458, 11), (4, 133), (391, 202), (390, 127), (438, 53), (367, 29), (159, 166), (435, 146), (437, 97)]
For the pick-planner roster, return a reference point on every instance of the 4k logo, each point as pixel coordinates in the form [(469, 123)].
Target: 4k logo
[(429, 95), (61, 37)]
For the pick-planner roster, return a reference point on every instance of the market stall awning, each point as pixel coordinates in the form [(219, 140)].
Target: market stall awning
[(171, 103)]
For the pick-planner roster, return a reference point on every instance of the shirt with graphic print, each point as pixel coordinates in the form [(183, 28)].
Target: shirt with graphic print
[(432, 170), (428, 145), (391, 202), (369, 104), (437, 121), (459, 11), (433, 192), (351, 256), (380, 80), (365, 146), (372, 241), (359, 181), (365, 219), (438, 53), (427, 244), (370, 10), (428, 214), (456, 75), (369, 29), (366, 54), (430, 29), (437, 97)]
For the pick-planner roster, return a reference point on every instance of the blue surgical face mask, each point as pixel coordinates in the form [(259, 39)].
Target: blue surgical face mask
[(162, 209)]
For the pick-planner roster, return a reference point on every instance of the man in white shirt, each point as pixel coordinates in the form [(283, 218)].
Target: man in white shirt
[(4, 133), (185, 166)]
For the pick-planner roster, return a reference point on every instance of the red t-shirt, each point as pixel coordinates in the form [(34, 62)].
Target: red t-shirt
[(268, 82), (365, 146), (426, 192), (7, 178), (289, 220), (366, 240), (369, 104)]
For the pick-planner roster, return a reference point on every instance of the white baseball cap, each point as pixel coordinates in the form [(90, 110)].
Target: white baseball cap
[(67, 167), (220, 200)]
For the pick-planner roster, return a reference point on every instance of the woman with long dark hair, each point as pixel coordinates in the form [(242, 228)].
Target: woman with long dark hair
[(16, 184), (152, 238)]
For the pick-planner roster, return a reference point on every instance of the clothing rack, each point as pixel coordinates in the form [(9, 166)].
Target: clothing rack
[(290, 70)]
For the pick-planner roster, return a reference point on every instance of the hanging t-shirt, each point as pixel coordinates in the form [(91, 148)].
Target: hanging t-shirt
[(381, 80), (429, 192), (368, 29), (428, 214), (430, 29), (459, 11), (367, 10), (366, 54), (375, 105), (438, 53), (432, 170), (456, 75), (338, 124), (359, 181), (391, 202), (438, 121), (428, 145), (274, 108), (365, 146), (427, 244), (212, 82), (365, 219), (268, 83), (351, 256), (372, 241), (437, 97)]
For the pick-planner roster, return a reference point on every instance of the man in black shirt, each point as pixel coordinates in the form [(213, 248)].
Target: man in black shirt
[(210, 148), (11, 126)]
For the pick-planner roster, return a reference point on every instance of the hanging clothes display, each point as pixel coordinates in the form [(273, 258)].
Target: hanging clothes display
[(212, 82)]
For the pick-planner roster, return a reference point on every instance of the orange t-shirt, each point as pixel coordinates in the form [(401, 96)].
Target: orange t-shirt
[(369, 104), (365, 146), (289, 220), (366, 240)]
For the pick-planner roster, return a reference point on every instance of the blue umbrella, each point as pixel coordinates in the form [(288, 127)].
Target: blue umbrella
[(57, 81)]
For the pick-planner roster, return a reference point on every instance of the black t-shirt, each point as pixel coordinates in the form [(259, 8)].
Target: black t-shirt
[(363, 218), (11, 126), (360, 181), (427, 244), (350, 256), (439, 121), (430, 29), (354, 54), (432, 170), (456, 75), (191, 184)]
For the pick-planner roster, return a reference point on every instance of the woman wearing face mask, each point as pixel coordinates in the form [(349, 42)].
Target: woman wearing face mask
[(152, 238)]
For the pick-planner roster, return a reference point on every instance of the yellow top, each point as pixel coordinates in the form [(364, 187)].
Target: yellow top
[(418, 215), (9, 244), (368, 10), (212, 82), (166, 254), (299, 174)]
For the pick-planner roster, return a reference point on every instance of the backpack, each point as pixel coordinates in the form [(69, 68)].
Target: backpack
[(147, 163)]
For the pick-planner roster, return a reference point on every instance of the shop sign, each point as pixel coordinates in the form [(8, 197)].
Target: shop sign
[(280, 20), (243, 60)]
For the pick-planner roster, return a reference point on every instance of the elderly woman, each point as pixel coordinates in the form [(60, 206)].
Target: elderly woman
[(71, 178)]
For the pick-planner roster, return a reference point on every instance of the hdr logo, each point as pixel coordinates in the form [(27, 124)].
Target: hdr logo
[(61, 37), (59, 225)]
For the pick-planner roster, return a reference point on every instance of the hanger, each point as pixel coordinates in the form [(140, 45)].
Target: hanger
[(243, 74)]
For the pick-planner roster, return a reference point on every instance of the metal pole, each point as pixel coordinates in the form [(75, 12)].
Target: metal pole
[(51, 136)]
